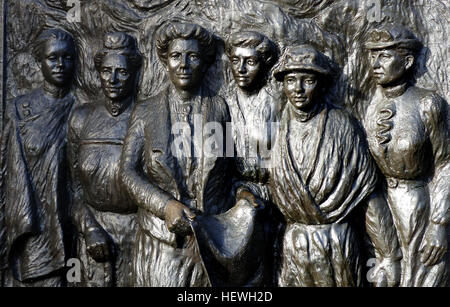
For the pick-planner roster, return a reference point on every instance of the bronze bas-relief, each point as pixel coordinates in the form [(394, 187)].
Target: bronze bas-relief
[(238, 143)]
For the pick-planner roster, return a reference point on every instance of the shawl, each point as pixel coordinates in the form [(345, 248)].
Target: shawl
[(33, 204), (335, 173)]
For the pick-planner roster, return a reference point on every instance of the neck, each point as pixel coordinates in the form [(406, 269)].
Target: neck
[(305, 115), (249, 92), (186, 95), (117, 107), (55, 91), (395, 90)]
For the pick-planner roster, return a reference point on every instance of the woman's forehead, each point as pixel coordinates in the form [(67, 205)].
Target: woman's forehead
[(57, 45), (183, 45)]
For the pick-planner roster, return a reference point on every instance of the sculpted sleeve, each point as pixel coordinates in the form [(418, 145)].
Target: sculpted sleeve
[(436, 120), (3, 156), (82, 217), (18, 216), (380, 227), (145, 193)]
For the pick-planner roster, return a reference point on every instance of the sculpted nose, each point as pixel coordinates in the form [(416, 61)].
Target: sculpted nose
[(60, 62), (299, 86), (113, 77), (376, 63), (184, 61), (242, 69)]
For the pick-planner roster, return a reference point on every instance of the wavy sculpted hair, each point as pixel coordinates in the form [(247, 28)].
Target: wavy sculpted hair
[(174, 30)]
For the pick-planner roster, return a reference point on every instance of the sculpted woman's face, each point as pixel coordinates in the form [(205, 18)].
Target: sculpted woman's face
[(388, 66), (246, 67), (58, 62), (300, 89), (185, 64), (116, 76)]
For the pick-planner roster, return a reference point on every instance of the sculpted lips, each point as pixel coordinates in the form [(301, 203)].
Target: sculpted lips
[(58, 73), (300, 98), (378, 74), (184, 76), (113, 89)]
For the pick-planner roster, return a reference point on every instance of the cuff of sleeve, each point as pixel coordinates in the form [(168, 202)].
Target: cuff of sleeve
[(160, 201)]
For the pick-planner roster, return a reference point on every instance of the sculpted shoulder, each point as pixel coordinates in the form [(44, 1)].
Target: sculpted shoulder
[(430, 101), (222, 107), (79, 115), (21, 103), (342, 121), (148, 105)]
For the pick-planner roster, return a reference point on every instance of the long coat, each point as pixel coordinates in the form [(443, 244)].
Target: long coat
[(149, 172)]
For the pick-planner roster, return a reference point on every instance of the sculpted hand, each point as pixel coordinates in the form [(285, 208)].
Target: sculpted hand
[(252, 199), (434, 244), (387, 273), (177, 216), (98, 244)]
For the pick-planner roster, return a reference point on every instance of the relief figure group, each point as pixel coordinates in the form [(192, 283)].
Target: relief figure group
[(144, 192)]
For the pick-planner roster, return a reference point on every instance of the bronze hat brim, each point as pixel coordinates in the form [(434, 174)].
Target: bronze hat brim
[(279, 74), (411, 43)]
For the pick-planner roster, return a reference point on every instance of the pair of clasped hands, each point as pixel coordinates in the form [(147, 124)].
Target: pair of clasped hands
[(179, 216)]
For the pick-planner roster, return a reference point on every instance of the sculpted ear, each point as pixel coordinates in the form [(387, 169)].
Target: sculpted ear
[(409, 62)]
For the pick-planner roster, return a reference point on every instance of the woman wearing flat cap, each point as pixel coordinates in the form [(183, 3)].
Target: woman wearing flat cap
[(321, 171), (408, 135)]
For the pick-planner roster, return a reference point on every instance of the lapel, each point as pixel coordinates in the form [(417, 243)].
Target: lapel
[(211, 113), (159, 136)]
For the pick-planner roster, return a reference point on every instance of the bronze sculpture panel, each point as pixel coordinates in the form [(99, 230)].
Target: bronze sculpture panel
[(225, 143)]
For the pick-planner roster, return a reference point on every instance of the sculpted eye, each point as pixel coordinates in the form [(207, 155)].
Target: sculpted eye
[(52, 57), (123, 72), (251, 62), (290, 80), (175, 56), (235, 61), (194, 56), (310, 81)]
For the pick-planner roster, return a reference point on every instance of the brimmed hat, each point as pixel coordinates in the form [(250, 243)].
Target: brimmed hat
[(390, 37), (302, 57)]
